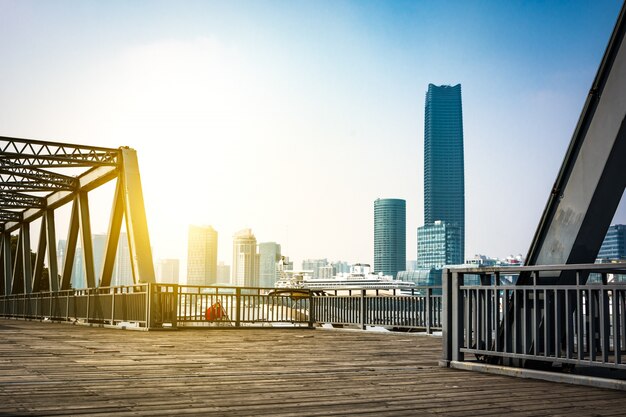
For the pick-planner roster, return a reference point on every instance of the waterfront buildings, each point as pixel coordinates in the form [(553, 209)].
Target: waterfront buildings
[(314, 266), (614, 244), (389, 235), (269, 256), (202, 256), (444, 178), (245, 271), (167, 271)]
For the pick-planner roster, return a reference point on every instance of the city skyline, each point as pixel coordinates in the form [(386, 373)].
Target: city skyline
[(273, 116)]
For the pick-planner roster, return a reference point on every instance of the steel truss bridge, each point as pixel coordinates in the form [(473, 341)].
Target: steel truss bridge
[(37, 178)]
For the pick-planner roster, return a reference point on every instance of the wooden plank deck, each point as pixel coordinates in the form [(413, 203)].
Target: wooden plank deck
[(60, 369)]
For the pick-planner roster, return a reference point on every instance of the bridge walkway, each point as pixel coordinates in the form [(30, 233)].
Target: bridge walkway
[(59, 369)]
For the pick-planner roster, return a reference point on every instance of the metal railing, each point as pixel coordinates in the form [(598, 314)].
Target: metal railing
[(163, 305), (237, 306), (580, 322), (419, 310)]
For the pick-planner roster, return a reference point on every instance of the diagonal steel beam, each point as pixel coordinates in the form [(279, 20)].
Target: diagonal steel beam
[(36, 153)]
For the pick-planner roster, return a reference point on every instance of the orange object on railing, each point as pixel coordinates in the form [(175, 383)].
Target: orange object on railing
[(215, 312)]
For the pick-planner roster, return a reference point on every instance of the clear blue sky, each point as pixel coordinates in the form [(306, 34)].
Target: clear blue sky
[(293, 117)]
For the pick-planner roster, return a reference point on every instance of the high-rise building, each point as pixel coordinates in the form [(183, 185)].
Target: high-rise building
[(223, 273), (444, 172), (269, 255), (389, 235), (245, 271), (438, 244), (167, 271), (614, 244), (202, 256), (314, 265)]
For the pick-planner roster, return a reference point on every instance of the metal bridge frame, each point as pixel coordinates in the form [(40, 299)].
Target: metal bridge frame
[(34, 182)]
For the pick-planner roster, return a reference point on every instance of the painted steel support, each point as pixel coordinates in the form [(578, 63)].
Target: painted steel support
[(113, 235), (53, 270), (27, 270), (70, 247), (591, 182), (87, 243), (136, 222), (30, 190), (40, 255), (7, 268)]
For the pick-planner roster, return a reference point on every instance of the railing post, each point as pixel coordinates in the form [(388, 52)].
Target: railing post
[(458, 312), (362, 310), (429, 312), (88, 299), (112, 306), (311, 309), (446, 319), (238, 306)]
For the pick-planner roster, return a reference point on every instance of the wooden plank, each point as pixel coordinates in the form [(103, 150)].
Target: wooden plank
[(51, 368)]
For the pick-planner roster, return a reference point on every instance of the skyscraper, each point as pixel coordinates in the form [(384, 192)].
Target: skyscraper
[(389, 235), (269, 255), (245, 259), (444, 168), (202, 256), (614, 244)]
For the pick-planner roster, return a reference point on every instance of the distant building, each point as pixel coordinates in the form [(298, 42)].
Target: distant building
[(223, 273), (77, 279), (269, 255), (245, 270), (167, 271), (444, 175), (389, 235), (314, 265), (123, 269), (614, 244), (341, 267), (438, 244), (99, 242), (122, 272), (202, 256), (326, 272)]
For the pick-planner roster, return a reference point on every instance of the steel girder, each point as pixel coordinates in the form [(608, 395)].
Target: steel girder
[(34, 182), (591, 180)]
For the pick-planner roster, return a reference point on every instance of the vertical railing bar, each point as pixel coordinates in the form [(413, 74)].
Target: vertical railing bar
[(591, 315), (546, 321)]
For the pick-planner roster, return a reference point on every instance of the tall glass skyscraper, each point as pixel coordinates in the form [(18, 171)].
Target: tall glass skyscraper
[(444, 177), (202, 256), (389, 236)]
